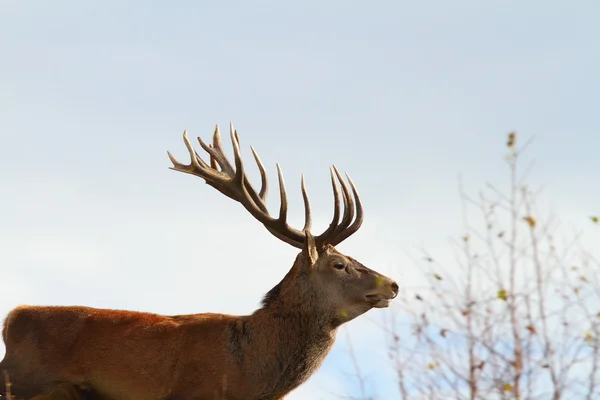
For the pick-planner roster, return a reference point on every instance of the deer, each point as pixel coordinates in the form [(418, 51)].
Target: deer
[(77, 352)]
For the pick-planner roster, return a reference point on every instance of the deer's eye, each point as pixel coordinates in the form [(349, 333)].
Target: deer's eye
[(339, 266)]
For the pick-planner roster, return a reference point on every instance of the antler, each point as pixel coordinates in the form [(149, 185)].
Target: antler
[(234, 183)]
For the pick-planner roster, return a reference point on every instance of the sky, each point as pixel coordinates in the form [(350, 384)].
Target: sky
[(404, 96)]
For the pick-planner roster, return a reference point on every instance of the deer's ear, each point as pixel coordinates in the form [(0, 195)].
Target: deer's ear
[(310, 249)]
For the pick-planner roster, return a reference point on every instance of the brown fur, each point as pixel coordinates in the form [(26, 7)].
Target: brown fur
[(128, 355), (65, 391)]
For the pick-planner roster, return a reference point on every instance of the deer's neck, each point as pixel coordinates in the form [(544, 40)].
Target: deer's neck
[(287, 339)]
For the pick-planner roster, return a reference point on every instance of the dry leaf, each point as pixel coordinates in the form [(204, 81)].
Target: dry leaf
[(437, 276), (530, 220), (443, 332), (531, 329)]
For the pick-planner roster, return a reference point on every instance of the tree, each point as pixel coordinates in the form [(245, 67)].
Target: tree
[(521, 320)]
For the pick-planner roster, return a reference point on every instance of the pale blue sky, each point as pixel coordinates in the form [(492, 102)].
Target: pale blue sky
[(402, 95)]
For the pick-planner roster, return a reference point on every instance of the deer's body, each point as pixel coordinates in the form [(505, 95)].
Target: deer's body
[(259, 356), (249, 357), (65, 352)]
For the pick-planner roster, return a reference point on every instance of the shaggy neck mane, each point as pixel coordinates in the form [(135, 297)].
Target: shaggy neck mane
[(295, 331)]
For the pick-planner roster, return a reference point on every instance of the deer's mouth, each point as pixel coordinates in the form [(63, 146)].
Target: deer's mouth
[(378, 301)]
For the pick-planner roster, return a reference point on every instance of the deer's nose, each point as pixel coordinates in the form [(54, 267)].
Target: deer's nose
[(395, 288)]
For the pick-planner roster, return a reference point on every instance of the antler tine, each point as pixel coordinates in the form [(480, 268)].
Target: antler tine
[(216, 153), (215, 144), (339, 231), (357, 222), (196, 163), (258, 199), (283, 199), (241, 180), (237, 155), (345, 234), (215, 156), (348, 205), (213, 162), (307, 214), (200, 168), (218, 145), (264, 185), (359, 207)]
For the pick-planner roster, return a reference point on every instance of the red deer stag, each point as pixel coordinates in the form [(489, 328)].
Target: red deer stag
[(126, 355)]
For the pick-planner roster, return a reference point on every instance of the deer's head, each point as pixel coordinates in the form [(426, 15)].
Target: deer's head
[(342, 286), (337, 284)]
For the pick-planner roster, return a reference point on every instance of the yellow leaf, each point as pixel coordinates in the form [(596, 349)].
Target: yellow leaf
[(511, 140), (502, 294), (588, 337), (595, 219), (530, 220), (432, 365), (507, 387)]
